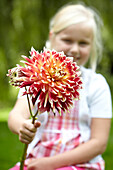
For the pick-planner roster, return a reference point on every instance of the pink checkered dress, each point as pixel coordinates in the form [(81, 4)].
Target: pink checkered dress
[(61, 134)]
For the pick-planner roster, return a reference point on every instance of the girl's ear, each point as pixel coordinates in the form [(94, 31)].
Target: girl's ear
[(50, 35)]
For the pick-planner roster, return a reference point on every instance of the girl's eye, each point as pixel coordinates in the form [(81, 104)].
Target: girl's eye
[(67, 40), (83, 43)]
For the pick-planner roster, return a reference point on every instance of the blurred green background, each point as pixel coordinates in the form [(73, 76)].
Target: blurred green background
[(23, 24)]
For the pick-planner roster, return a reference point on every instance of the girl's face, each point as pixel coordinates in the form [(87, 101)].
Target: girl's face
[(75, 41)]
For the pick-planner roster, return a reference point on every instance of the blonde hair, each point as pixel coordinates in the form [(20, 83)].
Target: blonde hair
[(77, 13)]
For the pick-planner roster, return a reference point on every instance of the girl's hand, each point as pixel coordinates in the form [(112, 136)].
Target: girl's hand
[(27, 131), (40, 164)]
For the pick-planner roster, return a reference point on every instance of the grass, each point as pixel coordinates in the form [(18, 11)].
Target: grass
[(11, 149), (108, 154), (4, 114)]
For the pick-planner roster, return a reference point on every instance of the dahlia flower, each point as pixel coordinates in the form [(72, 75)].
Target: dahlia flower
[(52, 80)]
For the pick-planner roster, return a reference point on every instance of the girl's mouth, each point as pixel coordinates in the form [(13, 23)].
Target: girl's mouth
[(74, 58)]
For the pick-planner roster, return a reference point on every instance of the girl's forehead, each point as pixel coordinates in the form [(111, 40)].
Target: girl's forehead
[(84, 28)]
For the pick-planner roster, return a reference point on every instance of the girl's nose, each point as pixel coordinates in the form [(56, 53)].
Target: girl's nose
[(74, 49)]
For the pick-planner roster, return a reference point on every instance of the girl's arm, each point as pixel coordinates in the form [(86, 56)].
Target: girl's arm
[(83, 153), (18, 115), (86, 151), (19, 122)]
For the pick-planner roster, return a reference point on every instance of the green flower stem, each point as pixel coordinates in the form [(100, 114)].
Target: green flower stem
[(26, 145), (23, 157), (29, 104)]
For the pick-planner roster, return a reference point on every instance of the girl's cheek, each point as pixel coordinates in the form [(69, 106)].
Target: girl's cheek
[(87, 51), (66, 47), (63, 47)]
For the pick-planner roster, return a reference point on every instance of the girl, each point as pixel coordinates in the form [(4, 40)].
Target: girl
[(77, 139)]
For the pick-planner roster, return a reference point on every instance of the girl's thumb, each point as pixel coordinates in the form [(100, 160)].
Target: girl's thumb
[(37, 124)]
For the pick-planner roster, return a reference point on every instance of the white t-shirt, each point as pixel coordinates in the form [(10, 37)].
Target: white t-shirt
[(95, 100)]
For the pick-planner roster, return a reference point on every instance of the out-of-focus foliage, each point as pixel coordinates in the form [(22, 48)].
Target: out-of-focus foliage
[(25, 23)]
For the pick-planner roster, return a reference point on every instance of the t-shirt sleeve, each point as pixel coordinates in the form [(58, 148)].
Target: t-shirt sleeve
[(100, 103), (20, 94)]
